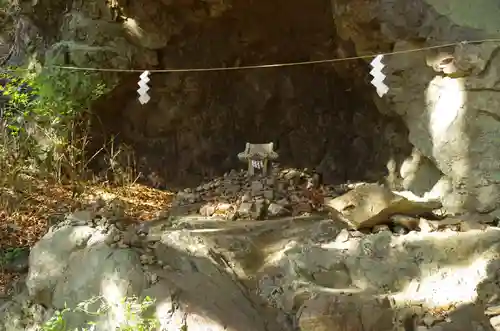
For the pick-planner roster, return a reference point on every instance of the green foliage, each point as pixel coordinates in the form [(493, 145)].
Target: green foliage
[(53, 123), (9, 255), (65, 94), (56, 322), (17, 108), (134, 311), (62, 95)]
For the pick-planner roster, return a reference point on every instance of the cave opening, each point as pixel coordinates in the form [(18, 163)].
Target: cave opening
[(320, 117)]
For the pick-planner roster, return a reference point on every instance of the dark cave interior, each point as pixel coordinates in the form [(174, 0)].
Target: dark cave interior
[(320, 116)]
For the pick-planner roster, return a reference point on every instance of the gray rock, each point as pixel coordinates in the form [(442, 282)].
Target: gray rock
[(119, 270), (419, 174), (495, 323), (466, 318), (80, 216), (339, 313), (259, 209), (275, 209), (268, 194), (369, 205), (446, 133), (245, 209), (49, 259), (200, 281), (131, 238), (343, 236), (256, 187), (288, 261), (65, 271), (207, 209)]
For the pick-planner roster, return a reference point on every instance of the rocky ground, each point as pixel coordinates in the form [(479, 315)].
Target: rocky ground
[(29, 209), (282, 252)]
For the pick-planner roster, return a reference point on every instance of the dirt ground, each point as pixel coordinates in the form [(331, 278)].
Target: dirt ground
[(27, 211)]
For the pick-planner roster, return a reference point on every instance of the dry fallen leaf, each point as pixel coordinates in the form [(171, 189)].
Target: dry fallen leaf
[(25, 219)]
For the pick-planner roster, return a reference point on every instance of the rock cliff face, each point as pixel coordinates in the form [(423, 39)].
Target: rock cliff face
[(196, 123), (451, 112), (318, 116), (321, 116)]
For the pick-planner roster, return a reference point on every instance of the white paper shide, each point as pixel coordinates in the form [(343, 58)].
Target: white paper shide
[(144, 88), (378, 76)]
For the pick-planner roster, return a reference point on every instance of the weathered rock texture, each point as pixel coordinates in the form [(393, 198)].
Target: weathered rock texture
[(196, 123), (281, 275), (320, 115), (452, 120)]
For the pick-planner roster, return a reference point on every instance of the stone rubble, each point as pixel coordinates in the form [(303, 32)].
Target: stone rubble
[(236, 196), (293, 192)]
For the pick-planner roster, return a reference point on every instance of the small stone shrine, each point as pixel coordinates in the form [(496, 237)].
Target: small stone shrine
[(258, 156)]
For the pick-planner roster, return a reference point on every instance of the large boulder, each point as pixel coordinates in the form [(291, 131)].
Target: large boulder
[(74, 264), (310, 274), (98, 266), (208, 294), (369, 205), (49, 260), (452, 116)]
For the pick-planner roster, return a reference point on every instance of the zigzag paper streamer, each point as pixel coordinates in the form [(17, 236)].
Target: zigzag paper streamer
[(144, 88), (378, 76)]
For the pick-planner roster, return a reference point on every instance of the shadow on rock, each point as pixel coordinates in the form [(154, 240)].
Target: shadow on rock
[(73, 264), (274, 275)]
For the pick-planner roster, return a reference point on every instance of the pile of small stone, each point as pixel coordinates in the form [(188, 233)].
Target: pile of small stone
[(293, 192), (285, 192)]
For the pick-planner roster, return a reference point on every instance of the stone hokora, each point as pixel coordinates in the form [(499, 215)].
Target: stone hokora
[(258, 156)]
